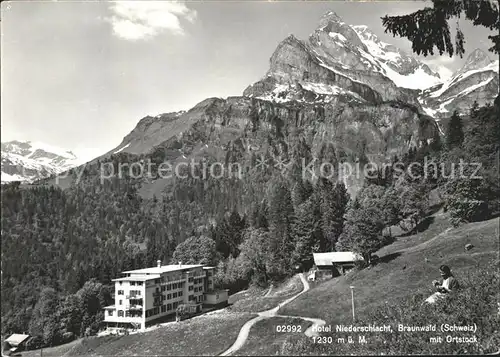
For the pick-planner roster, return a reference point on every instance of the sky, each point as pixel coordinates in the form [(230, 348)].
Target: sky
[(80, 75)]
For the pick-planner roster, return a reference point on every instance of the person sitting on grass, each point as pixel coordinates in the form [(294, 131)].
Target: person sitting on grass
[(448, 285)]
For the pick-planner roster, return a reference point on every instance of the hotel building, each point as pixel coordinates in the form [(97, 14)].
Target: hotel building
[(143, 296)]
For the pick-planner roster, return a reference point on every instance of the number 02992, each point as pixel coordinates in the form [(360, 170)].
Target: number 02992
[(288, 328)]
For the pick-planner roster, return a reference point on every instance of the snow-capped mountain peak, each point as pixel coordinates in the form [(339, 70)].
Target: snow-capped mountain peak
[(340, 60), (477, 81), (403, 69), (29, 160), (477, 60), (347, 63)]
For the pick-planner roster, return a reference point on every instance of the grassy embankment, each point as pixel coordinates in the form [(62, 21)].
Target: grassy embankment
[(392, 292), (206, 335), (257, 300)]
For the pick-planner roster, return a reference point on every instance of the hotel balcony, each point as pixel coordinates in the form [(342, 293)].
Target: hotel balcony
[(133, 307), (169, 280)]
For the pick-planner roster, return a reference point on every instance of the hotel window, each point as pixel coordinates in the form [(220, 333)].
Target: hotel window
[(110, 312), (210, 273), (175, 305), (169, 287), (169, 296), (190, 280), (163, 288), (190, 288), (180, 293), (169, 307), (119, 302), (163, 308), (163, 298), (157, 281), (120, 313), (174, 295), (120, 292), (132, 283), (127, 313), (139, 283), (157, 290)]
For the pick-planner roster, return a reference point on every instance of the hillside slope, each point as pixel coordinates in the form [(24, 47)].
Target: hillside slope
[(399, 283), (403, 270)]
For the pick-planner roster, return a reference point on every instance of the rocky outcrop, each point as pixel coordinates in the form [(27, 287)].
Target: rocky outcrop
[(334, 90), (243, 126)]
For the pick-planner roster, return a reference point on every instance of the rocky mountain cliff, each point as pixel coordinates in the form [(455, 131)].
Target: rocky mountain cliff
[(341, 89), (27, 161), (333, 61)]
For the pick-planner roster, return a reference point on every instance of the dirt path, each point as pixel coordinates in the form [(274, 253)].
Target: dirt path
[(245, 329), (269, 291)]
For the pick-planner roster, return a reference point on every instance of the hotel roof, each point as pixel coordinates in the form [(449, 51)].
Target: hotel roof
[(162, 269), (138, 277)]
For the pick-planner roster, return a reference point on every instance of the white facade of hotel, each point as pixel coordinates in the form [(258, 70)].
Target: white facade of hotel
[(145, 295)]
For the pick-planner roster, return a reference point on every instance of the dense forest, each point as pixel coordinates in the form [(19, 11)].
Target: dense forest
[(61, 248)]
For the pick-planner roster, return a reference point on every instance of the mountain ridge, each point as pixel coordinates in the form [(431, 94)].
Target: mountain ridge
[(324, 89), (28, 161)]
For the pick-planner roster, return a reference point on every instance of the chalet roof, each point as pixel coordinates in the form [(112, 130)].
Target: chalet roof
[(16, 339), (335, 257)]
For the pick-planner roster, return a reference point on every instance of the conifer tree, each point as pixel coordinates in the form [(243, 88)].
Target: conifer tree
[(363, 231), (429, 27), (455, 132), (281, 216), (306, 234)]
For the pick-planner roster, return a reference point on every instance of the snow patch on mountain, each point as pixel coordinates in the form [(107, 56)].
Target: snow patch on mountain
[(463, 75), (404, 70), (337, 36), (123, 147), (416, 80)]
